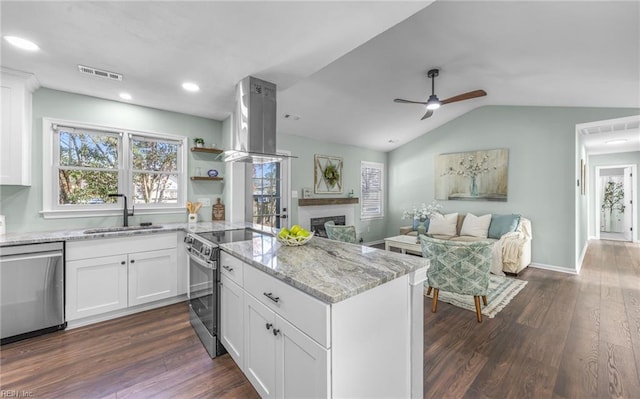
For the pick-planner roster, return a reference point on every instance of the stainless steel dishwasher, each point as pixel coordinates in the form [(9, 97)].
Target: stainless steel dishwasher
[(32, 290)]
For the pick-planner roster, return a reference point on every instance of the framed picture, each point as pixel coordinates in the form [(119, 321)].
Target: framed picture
[(327, 175), (472, 176)]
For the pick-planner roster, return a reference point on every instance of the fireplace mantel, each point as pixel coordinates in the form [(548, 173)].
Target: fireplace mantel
[(326, 201)]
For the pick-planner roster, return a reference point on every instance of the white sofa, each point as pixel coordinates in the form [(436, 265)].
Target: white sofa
[(511, 253)]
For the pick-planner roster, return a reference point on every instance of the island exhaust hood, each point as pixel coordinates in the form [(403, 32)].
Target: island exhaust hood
[(254, 132)]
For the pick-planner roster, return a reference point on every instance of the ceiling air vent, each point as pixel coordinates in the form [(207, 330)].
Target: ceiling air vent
[(100, 73)]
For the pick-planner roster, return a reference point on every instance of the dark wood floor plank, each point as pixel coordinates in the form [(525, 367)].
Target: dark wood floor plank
[(563, 336)]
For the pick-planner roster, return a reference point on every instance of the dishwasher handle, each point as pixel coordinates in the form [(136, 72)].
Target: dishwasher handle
[(37, 255)]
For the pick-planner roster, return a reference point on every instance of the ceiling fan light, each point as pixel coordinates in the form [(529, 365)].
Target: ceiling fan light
[(433, 102)]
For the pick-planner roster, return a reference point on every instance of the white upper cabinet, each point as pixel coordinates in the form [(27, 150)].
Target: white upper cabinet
[(15, 133)]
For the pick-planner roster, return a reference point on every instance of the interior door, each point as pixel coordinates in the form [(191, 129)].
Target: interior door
[(628, 206)]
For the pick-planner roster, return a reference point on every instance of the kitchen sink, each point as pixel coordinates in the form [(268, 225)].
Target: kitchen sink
[(116, 229)]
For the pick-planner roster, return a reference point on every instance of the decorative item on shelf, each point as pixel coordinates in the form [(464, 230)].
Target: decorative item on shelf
[(421, 214), (306, 192), (217, 211), (351, 193), (327, 174), (295, 236), (212, 173), (197, 171), (198, 141)]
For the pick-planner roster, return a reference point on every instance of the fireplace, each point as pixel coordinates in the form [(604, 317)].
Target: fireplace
[(317, 224)]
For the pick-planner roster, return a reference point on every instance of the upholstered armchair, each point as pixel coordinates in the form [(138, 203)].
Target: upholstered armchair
[(340, 233), (458, 267)]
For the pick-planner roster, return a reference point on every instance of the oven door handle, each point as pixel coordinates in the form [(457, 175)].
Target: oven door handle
[(203, 263)]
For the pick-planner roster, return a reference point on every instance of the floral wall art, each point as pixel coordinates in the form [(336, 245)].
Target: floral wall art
[(472, 176), (327, 176)]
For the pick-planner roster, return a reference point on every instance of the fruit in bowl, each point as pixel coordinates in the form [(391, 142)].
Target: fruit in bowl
[(294, 236)]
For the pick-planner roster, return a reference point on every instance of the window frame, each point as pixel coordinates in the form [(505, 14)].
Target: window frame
[(51, 209), (372, 165)]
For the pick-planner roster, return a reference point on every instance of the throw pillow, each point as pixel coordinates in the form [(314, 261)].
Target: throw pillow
[(443, 224), (476, 226), (416, 223), (503, 224)]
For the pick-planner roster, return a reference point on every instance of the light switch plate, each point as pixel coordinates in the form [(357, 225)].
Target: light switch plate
[(205, 201), (294, 194)]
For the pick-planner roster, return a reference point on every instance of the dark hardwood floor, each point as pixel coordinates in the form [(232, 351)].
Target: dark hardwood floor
[(563, 336)]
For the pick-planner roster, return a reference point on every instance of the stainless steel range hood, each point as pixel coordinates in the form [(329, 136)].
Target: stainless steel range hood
[(254, 131)]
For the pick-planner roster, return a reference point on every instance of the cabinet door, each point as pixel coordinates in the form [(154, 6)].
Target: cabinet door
[(302, 365), (95, 286), (232, 318), (152, 276), (260, 347)]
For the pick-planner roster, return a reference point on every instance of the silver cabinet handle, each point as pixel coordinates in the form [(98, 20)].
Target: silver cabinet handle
[(269, 325), (276, 332), (270, 296)]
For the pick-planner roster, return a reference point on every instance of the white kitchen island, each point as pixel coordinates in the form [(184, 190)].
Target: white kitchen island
[(326, 319)]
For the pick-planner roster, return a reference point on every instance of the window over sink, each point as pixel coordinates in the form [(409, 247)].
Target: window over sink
[(83, 163)]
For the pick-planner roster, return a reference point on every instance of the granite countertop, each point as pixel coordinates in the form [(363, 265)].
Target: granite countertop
[(79, 234), (330, 271)]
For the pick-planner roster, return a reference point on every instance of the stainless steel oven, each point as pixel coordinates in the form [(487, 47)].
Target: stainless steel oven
[(204, 282)]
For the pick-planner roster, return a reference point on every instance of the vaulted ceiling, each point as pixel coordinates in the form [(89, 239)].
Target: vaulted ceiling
[(337, 65)]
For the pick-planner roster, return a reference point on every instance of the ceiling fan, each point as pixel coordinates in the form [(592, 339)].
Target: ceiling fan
[(434, 102)]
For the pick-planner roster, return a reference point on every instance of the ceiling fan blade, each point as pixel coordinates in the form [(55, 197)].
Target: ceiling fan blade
[(400, 100), (428, 114), (464, 96)]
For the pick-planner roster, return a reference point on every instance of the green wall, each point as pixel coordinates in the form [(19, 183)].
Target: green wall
[(623, 158), (302, 176), (22, 205), (542, 152)]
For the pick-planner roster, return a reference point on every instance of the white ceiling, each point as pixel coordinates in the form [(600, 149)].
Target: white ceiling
[(337, 65)]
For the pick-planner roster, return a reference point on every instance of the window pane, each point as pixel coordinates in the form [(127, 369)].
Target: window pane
[(88, 150), (157, 156), (86, 186), (155, 188)]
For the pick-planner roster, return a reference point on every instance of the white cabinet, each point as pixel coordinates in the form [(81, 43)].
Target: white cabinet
[(15, 127), (232, 318), (281, 361), (105, 275), (152, 276), (95, 286)]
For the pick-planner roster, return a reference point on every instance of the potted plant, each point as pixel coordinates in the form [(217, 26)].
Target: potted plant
[(199, 142)]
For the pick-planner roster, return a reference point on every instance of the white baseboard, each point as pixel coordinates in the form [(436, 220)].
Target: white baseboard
[(124, 312), (553, 268), (372, 243)]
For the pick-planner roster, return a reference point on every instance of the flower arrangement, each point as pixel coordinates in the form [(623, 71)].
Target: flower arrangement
[(423, 212), (468, 168)]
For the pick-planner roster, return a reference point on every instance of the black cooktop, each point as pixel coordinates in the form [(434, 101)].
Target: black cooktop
[(221, 237)]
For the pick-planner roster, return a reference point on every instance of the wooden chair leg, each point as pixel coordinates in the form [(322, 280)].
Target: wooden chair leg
[(434, 301), (428, 290), (484, 300), (476, 299)]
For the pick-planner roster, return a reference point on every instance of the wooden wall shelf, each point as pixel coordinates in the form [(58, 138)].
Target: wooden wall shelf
[(207, 149), (205, 178), (326, 201)]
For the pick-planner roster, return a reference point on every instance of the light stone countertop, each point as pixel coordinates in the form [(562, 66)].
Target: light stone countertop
[(330, 271)]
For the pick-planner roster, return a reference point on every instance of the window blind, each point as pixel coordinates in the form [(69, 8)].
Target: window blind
[(372, 190)]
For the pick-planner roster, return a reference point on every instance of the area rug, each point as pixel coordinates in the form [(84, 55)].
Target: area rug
[(501, 291)]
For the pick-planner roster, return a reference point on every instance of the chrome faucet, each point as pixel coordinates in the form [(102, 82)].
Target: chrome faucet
[(125, 211)]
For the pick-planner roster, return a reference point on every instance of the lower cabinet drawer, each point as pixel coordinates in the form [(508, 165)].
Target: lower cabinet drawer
[(303, 311)]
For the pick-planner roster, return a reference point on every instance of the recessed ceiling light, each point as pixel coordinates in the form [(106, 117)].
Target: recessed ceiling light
[(190, 86), (22, 43), (125, 96), (616, 141)]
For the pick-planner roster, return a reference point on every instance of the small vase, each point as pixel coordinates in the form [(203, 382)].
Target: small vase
[(474, 187), (421, 229)]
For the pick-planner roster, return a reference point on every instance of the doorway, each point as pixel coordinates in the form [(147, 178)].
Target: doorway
[(270, 193), (614, 205)]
